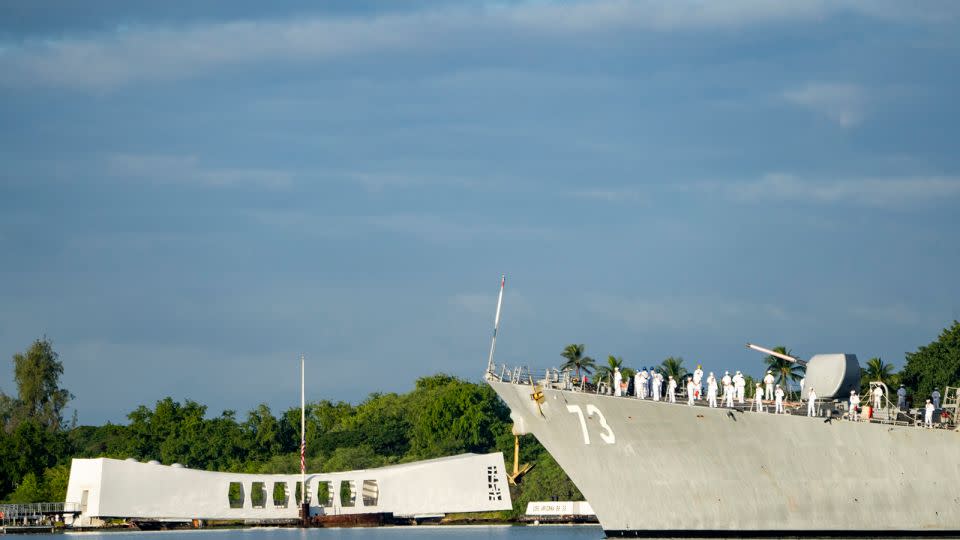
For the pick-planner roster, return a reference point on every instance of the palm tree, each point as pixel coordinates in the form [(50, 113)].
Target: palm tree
[(673, 365), (576, 360), (876, 370), (784, 371), (605, 373)]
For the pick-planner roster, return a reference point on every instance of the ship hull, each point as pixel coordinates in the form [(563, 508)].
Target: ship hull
[(660, 469)]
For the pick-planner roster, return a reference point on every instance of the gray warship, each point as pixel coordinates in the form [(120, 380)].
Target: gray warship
[(653, 468)]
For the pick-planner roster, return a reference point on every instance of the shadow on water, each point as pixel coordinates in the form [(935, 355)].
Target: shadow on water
[(464, 532)]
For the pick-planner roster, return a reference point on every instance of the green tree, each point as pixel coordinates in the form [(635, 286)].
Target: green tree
[(353, 458), (29, 490), (455, 417), (109, 440), (936, 364), (9, 472), (263, 432), (8, 409), (785, 372), (55, 480), (673, 365), (605, 373), (37, 374), (29, 450), (877, 370), (576, 360), (384, 421)]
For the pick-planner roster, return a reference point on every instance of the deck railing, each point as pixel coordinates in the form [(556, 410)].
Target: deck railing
[(557, 379), (34, 513)]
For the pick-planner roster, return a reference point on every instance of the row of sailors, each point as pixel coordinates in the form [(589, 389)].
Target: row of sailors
[(650, 385), (931, 405)]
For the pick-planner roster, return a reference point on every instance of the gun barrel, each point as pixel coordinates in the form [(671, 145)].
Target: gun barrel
[(786, 357)]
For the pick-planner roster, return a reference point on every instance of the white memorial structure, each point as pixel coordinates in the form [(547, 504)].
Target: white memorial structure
[(110, 488)]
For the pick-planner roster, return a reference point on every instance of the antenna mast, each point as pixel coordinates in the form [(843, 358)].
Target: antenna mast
[(496, 324), (303, 435)]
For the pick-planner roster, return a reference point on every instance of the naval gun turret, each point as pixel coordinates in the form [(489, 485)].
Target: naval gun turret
[(832, 376)]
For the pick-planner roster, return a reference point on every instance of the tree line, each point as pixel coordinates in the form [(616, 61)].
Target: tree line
[(442, 415)]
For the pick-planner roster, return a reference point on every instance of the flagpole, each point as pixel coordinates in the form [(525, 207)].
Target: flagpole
[(496, 324), (304, 503)]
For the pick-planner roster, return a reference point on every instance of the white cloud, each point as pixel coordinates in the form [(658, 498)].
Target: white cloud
[(429, 228), (842, 103), (680, 314), (137, 54), (444, 230), (376, 182), (485, 304), (612, 195), (875, 192), (896, 315), (179, 169)]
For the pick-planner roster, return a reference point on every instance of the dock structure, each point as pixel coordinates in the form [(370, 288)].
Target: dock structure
[(35, 517), (104, 488)]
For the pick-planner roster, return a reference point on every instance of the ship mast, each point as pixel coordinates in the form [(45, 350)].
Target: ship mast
[(303, 441), (496, 324)]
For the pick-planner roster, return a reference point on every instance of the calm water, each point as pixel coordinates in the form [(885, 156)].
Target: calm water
[(499, 532)]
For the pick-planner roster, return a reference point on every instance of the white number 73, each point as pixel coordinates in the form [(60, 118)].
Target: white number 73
[(607, 435)]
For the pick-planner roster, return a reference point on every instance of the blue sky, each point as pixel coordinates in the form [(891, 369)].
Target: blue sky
[(193, 194)]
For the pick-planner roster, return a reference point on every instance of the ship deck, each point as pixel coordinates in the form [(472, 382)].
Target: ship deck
[(827, 408)]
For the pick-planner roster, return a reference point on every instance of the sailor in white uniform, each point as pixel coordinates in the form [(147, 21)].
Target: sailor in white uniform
[(778, 409), (740, 385), (672, 389), (854, 403), (758, 399), (644, 376), (877, 397), (657, 385), (811, 403), (727, 389), (698, 382), (768, 381), (712, 390), (928, 414), (691, 388), (637, 381), (935, 396), (902, 397), (617, 379)]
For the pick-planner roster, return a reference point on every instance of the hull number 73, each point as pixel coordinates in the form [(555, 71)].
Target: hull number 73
[(606, 434)]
